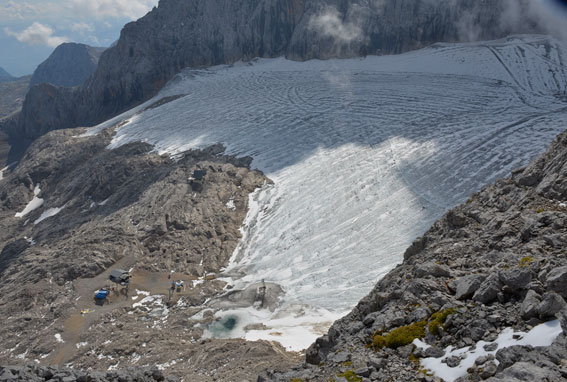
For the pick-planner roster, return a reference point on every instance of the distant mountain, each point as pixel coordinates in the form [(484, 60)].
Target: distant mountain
[(5, 76), (12, 94), (70, 64)]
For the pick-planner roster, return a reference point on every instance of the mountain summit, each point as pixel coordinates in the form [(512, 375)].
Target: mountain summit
[(70, 64), (5, 76)]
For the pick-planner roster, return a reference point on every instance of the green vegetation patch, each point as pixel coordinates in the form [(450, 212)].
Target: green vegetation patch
[(438, 319), (296, 380), (526, 261), (402, 336), (350, 376)]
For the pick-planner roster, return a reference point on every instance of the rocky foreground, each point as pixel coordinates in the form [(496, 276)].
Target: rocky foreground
[(71, 211), (496, 262), (34, 373)]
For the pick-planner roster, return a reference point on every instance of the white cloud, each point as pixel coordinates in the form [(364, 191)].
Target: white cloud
[(37, 34), (132, 9), (330, 23), (82, 28), (24, 10)]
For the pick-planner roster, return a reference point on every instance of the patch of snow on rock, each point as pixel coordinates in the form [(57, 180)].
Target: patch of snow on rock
[(541, 335), (58, 338), (47, 214), (34, 204)]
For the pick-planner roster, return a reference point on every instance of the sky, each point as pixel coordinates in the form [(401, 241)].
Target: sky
[(31, 29)]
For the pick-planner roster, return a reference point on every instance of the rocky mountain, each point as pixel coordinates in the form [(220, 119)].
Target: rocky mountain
[(12, 95), (180, 34), (489, 268), (70, 64), (71, 211), (5, 76)]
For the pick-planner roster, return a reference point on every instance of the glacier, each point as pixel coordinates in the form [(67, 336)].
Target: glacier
[(365, 155)]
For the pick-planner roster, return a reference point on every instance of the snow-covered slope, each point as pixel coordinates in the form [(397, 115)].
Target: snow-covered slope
[(365, 155)]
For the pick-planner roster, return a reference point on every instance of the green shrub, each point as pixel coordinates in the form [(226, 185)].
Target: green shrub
[(438, 319), (378, 342), (350, 376), (404, 335)]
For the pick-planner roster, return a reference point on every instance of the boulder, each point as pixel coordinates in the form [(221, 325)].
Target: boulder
[(551, 304), (466, 286), (377, 363), (363, 372), (563, 318), (434, 352), (516, 279), (557, 281), (488, 290), (489, 370), (432, 269), (528, 372), (529, 307)]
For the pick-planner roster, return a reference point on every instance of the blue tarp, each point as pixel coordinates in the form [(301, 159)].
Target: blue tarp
[(101, 294)]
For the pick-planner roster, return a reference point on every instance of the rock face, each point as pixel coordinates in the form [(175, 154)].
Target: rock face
[(5, 76), (502, 266), (12, 94), (70, 64), (195, 33)]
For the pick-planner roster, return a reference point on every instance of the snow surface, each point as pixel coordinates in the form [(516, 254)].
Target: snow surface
[(365, 154), (47, 214), (541, 335), (34, 204), (58, 338)]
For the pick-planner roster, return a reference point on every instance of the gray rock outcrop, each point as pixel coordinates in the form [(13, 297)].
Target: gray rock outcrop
[(34, 373), (133, 209), (179, 34), (70, 64)]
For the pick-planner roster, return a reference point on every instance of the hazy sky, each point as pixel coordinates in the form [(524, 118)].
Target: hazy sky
[(31, 29)]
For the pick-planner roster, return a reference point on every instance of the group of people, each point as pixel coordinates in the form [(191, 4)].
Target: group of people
[(179, 284)]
